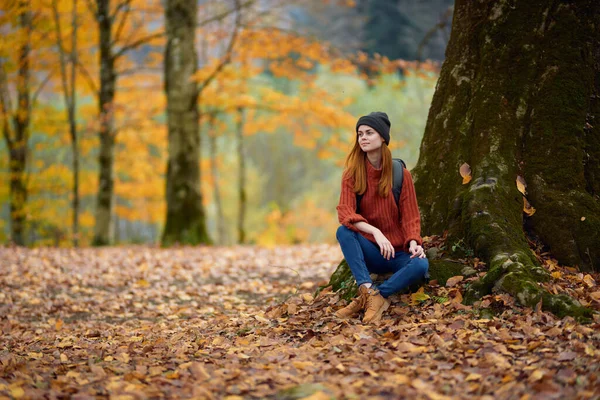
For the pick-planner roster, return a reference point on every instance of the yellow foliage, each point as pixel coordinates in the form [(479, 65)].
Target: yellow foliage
[(297, 225), (86, 219)]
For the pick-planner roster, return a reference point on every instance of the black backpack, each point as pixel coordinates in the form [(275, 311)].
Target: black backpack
[(397, 177)]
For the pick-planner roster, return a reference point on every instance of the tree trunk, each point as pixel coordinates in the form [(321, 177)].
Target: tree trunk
[(68, 84), (517, 96), (185, 223), (17, 143), (73, 127), (221, 235), (103, 229), (241, 176)]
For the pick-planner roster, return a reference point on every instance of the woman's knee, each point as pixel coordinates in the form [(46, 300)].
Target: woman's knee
[(343, 232), (421, 265)]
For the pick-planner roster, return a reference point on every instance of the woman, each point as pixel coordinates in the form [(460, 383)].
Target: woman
[(384, 237)]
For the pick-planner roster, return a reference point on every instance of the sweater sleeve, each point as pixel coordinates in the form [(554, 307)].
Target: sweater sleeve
[(409, 211), (347, 206)]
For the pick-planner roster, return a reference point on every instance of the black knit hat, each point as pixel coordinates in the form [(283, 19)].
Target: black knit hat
[(379, 121)]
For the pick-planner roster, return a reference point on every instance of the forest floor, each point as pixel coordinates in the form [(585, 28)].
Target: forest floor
[(242, 323)]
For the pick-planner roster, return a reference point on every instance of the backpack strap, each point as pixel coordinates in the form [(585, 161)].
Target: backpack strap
[(397, 178)]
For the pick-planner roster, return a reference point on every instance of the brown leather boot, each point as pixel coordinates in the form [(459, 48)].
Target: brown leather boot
[(357, 304), (375, 305)]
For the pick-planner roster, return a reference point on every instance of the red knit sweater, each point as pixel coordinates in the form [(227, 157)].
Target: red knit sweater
[(399, 226)]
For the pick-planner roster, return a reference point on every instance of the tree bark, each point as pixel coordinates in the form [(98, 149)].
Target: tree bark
[(185, 223), (69, 94), (17, 138), (241, 176), (519, 83), (73, 127), (221, 232), (103, 229)]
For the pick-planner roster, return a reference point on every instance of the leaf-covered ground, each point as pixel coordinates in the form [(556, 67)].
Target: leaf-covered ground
[(241, 322)]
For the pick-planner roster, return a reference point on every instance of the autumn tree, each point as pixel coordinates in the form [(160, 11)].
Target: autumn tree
[(185, 214), (118, 35), (186, 219), (15, 123), (68, 71), (517, 98)]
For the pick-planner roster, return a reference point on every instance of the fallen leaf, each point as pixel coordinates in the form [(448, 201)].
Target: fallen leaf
[(123, 357), (556, 274), (292, 309), (521, 185), (172, 375), (307, 297), (527, 208), (567, 356), (473, 377), (465, 172), (302, 364), (454, 280), (457, 297), (419, 296), (536, 375), (199, 372), (589, 281), (17, 392), (143, 283), (400, 379), (407, 347), (260, 318)]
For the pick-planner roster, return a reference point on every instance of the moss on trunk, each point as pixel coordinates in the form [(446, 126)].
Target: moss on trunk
[(185, 222), (519, 83)]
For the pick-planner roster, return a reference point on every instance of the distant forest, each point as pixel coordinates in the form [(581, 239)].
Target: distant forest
[(397, 29)]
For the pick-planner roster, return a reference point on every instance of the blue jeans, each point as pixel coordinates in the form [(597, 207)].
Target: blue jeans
[(364, 257)]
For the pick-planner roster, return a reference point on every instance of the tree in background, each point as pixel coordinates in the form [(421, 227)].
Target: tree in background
[(517, 101), (297, 107), (186, 220), (16, 118), (68, 73), (120, 32), (396, 28)]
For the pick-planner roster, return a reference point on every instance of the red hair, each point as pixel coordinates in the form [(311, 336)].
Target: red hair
[(356, 167)]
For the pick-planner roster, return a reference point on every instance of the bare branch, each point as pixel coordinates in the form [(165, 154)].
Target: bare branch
[(441, 26), (127, 5), (137, 43), (61, 51), (39, 89), (88, 78), (225, 14), (122, 5), (138, 69), (227, 58)]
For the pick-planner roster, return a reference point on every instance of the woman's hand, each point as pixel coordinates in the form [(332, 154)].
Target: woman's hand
[(385, 247), (415, 250)]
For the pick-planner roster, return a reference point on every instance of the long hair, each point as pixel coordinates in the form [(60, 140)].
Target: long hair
[(356, 167)]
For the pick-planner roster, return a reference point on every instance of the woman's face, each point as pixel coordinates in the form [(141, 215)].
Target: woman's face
[(369, 139)]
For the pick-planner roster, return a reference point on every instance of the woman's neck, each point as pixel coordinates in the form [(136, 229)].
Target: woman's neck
[(374, 158)]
